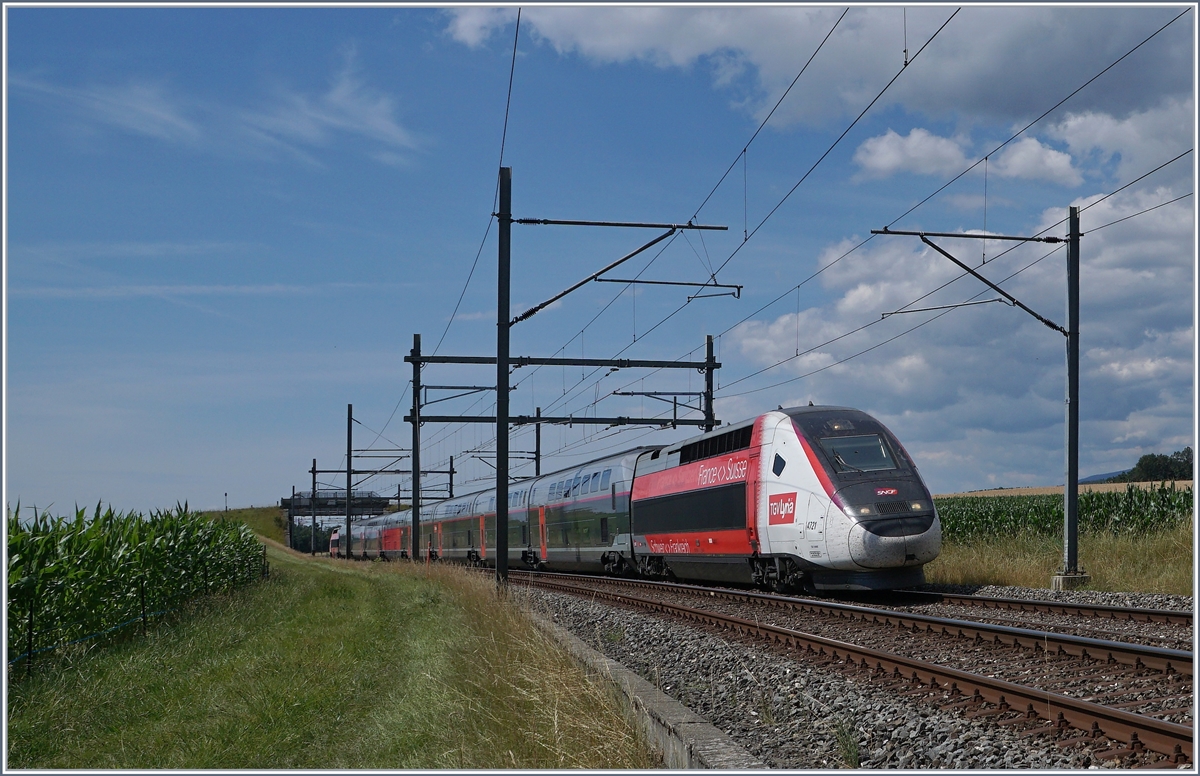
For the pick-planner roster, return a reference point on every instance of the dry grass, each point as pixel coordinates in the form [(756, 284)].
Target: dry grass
[(515, 671), (1158, 562)]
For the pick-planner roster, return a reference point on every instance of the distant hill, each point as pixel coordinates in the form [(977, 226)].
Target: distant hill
[(1102, 477)]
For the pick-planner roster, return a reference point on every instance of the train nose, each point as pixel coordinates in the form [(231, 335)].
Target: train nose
[(906, 541)]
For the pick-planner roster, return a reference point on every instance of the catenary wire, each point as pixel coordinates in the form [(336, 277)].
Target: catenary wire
[(939, 315)]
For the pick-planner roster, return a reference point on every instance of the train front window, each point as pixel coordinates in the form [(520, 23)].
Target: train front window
[(865, 453)]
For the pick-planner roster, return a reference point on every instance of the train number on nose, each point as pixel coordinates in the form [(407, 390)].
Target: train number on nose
[(781, 509)]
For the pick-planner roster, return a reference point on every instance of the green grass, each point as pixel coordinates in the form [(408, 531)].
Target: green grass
[(264, 521), (326, 664), (1158, 561)]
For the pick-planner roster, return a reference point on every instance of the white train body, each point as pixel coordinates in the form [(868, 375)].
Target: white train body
[(813, 497)]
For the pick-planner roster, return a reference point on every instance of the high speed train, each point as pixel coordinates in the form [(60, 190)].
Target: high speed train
[(812, 498)]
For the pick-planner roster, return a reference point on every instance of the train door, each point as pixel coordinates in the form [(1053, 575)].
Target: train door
[(482, 538), (753, 483), (813, 545), (759, 488), (795, 503), (542, 531)]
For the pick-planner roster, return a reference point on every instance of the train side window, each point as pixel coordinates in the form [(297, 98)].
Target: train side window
[(583, 488), (575, 485), (604, 478), (778, 465), (595, 481)]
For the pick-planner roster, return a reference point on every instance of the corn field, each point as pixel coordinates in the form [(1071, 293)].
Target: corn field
[(70, 580), (968, 518)]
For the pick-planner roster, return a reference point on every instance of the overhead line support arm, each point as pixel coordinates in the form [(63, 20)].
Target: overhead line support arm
[(1045, 321)]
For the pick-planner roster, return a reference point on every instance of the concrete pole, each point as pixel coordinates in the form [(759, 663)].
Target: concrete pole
[(415, 512), (313, 504), (709, 361), (349, 468), (1071, 575), (504, 217)]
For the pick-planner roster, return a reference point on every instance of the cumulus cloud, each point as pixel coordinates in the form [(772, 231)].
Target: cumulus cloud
[(1140, 141), (969, 69), (1028, 159), (919, 152), (976, 393)]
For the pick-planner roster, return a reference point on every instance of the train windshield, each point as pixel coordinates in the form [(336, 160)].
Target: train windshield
[(861, 453), (853, 444)]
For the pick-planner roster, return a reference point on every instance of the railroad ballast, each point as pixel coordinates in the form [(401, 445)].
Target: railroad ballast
[(815, 498)]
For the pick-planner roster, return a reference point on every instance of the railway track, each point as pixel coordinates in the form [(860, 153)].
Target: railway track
[(1075, 688), (1130, 614)]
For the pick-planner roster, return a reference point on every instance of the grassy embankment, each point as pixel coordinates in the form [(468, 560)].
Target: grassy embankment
[(1148, 555), (326, 664), (267, 522)]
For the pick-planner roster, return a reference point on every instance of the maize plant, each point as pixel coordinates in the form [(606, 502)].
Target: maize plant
[(71, 579), (968, 518)]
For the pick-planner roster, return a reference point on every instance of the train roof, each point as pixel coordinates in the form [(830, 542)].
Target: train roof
[(817, 408), (558, 472)]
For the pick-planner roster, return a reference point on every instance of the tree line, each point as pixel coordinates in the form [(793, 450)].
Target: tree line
[(1156, 467)]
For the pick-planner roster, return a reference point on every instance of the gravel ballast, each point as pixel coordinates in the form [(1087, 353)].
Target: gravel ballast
[(796, 715)]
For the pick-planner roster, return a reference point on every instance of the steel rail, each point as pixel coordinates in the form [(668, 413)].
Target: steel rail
[(1168, 616), (1136, 655), (1170, 739)]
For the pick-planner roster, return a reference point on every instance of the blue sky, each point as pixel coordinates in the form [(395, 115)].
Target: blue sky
[(223, 225)]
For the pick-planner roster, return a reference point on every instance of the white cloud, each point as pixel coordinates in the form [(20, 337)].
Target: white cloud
[(347, 106), (141, 107), (977, 393), (292, 123), (473, 26), (967, 70), (1141, 141), (1028, 159), (920, 152)]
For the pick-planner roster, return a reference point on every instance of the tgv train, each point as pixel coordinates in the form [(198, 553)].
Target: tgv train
[(814, 498)]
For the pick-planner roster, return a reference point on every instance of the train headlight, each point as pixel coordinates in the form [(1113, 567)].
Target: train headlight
[(919, 506), (860, 511)]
